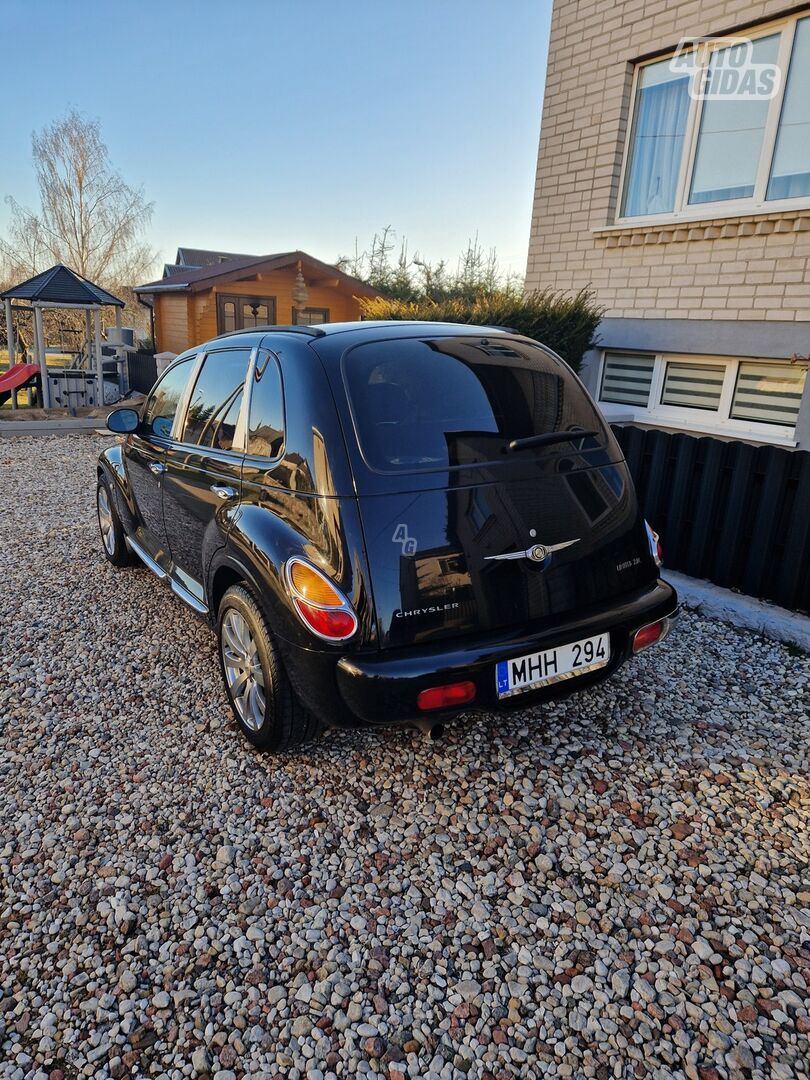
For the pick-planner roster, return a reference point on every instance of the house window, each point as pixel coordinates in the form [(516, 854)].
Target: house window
[(656, 146), (693, 146), (311, 316), (790, 171), (244, 312), (768, 393), (626, 379), (731, 131), (694, 386), (721, 395)]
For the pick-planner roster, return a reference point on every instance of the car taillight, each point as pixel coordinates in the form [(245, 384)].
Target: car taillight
[(446, 697), (320, 605), (654, 540), (648, 635)]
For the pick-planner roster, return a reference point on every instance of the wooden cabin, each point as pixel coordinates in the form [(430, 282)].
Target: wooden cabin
[(193, 303)]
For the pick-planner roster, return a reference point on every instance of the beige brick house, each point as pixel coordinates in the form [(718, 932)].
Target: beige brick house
[(674, 178)]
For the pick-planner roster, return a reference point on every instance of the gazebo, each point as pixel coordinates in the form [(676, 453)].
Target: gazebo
[(60, 287)]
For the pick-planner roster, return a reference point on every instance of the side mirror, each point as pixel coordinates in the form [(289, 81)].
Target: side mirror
[(123, 421)]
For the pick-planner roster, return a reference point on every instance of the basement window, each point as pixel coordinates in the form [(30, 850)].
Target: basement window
[(729, 396)]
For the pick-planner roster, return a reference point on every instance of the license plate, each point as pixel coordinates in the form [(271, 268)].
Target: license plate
[(552, 665)]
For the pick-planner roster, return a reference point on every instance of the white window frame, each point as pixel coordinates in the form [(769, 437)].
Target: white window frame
[(757, 203), (705, 421)]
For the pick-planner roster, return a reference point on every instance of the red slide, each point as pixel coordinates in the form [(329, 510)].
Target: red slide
[(15, 377)]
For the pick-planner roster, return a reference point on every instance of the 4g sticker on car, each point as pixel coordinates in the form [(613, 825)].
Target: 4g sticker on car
[(408, 543)]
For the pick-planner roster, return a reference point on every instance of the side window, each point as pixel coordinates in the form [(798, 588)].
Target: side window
[(217, 397), (266, 422), (160, 409)]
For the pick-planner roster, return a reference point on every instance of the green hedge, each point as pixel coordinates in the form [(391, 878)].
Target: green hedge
[(567, 324)]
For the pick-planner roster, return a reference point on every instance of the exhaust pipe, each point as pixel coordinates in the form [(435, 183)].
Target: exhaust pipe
[(430, 728)]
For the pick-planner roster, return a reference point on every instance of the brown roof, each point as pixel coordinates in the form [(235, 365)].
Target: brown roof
[(204, 278), (197, 257)]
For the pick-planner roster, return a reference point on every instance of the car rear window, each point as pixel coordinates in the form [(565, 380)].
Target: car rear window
[(429, 403)]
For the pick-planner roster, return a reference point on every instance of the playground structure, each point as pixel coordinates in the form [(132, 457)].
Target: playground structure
[(96, 371), (16, 378)]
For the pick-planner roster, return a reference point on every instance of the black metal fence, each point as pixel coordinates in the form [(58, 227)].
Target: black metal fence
[(736, 514), (142, 371)]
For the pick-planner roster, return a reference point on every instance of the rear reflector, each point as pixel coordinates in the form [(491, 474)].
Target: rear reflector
[(446, 697), (648, 635)]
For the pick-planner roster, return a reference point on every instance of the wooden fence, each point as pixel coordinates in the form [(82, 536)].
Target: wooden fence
[(736, 514)]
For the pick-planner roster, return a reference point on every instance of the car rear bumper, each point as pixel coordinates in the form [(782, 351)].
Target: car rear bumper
[(383, 688)]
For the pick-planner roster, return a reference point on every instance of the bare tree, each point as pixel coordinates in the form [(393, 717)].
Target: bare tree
[(89, 218)]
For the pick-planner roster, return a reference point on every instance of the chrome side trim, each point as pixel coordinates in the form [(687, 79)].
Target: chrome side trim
[(146, 559), (187, 597), (178, 590)]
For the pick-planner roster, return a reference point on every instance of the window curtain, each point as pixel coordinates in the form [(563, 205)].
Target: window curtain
[(657, 145)]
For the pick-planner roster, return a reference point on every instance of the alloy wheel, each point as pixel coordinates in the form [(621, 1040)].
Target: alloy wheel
[(243, 669), (105, 520)]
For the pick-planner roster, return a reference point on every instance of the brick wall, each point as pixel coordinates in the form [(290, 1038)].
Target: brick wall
[(747, 268)]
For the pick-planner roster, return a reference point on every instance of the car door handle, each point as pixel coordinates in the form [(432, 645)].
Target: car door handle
[(157, 467), (223, 491)]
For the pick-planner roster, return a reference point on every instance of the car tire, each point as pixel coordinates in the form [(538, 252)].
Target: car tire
[(113, 543), (259, 691)]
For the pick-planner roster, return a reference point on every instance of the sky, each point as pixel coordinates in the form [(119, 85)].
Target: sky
[(271, 126)]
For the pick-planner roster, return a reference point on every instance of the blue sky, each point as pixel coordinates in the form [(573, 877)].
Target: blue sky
[(265, 126)]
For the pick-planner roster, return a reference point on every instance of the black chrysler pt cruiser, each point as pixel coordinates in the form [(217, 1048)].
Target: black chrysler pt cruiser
[(385, 522)]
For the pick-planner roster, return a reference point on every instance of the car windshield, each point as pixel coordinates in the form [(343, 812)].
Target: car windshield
[(438, 402)]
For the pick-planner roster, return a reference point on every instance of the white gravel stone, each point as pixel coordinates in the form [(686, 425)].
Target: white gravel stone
[(702, 948), (201, 1060), (611, 885)]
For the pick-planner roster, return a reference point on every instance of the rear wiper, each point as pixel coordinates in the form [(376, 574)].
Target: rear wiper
[(548, 439)]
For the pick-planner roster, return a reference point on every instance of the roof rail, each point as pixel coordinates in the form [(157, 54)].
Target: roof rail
[(309, 331)]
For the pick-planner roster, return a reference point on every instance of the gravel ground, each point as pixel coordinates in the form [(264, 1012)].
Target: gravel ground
[(617, 887)]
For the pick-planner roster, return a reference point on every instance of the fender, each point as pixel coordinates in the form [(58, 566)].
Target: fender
[(311, 669), (111, 464), (215, 539), (258, 545), (261, 539), (226, 559)]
